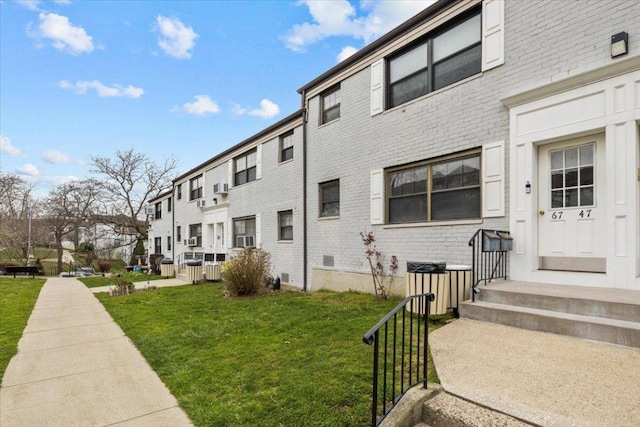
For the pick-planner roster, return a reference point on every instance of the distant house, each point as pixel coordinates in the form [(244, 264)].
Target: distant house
[(512, 115)]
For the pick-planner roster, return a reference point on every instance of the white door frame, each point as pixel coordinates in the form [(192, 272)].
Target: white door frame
[(580, 105)]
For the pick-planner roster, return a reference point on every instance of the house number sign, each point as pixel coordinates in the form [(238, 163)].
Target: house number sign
[(585, 213)]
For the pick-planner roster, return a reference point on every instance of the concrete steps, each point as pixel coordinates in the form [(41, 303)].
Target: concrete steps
[(608, 315)]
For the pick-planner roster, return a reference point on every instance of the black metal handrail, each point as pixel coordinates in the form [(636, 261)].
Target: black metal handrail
[(404, 356), (489, 262)]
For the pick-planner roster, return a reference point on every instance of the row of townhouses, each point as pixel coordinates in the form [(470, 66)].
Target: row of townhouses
[(511, 115)]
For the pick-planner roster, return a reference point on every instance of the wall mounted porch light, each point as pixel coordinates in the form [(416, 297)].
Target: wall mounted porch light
[(619, 44)]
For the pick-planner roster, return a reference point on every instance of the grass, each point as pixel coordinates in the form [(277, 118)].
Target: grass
[(17, 298), (280, 360), (97, 281)]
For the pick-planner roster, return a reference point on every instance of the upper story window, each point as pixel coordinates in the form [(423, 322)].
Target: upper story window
[(286, 147), (179, 191), (285, 225), (244, 232), (439, 60), (433, 191), (195, 187), (330, 105), (178, 233), (169, 204), (158, 214), (330, 199), (245, 168)]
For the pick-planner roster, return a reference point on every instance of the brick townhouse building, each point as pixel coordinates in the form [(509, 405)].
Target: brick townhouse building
[(513, 115)]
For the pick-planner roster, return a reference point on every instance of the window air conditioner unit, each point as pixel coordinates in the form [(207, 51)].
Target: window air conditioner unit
[(245, 242), (151, 210), (201, 203), (192, 241), (221, 188)]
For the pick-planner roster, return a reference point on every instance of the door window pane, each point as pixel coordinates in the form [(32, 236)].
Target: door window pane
[(572, 170)]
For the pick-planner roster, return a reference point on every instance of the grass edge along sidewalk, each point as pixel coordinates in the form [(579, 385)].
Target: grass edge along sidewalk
[(17, 299), (287, 359)]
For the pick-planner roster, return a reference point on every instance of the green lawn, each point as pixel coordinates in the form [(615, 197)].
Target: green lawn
[(289, 359), (17, 298)]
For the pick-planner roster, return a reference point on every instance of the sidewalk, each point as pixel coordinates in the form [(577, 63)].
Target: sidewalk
[(542, 378), (75, 367), (163, 283)]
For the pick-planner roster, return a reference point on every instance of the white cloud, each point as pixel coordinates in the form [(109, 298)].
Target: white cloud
[(28, 169), (237, 109), (267, 109), (56, 157), (176, 39), (6, 147), (332, 18), (30, 4), (63, 2), (346, 52), (201, 106), (101, 89), (65, 36)]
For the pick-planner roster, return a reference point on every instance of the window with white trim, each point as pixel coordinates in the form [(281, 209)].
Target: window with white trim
[(158, 213), (168, 243), (244, 232), (179, 191), (178, 233), (285, 225), (435, 190), (438, 60), (330, 105), (157, 245), (245, 168)]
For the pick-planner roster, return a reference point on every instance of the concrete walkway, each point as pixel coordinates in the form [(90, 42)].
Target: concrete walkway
[(75, 367), (542, 378), (162, 283)]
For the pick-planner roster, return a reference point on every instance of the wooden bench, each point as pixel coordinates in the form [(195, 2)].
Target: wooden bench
[(28, 269)]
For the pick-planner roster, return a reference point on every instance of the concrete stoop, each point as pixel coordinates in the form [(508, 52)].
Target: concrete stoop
[(446, 410), (607, 315), (433, 407)]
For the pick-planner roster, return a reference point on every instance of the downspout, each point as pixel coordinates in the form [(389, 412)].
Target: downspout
[(304, 193)]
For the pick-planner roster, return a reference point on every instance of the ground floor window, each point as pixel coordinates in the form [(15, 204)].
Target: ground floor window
[(285, 225), (244, 232), (157, 247), (330, 199), (435, 190), (195, 232)]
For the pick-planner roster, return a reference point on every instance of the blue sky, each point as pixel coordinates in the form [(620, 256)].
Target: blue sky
[(80, 78)]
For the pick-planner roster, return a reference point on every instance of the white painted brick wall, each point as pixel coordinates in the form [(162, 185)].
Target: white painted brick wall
[(544, 41), (279, 189)]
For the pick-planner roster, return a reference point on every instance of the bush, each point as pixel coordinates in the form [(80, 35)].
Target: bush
[(104, 266), (247, 273), (122, 285)]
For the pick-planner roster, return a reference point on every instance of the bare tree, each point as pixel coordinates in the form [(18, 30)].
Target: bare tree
[(17, 207), (127, 181), (67, 208)]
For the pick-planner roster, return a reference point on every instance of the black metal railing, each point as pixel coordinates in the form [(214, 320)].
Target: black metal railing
[(490, 257), (400, 353)]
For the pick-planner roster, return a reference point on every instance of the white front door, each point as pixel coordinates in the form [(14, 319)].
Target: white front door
[(571, 203)]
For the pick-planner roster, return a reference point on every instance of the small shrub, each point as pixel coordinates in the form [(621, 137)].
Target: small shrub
[(122, 285), (376, 260), (247, 272), (104, 266)]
